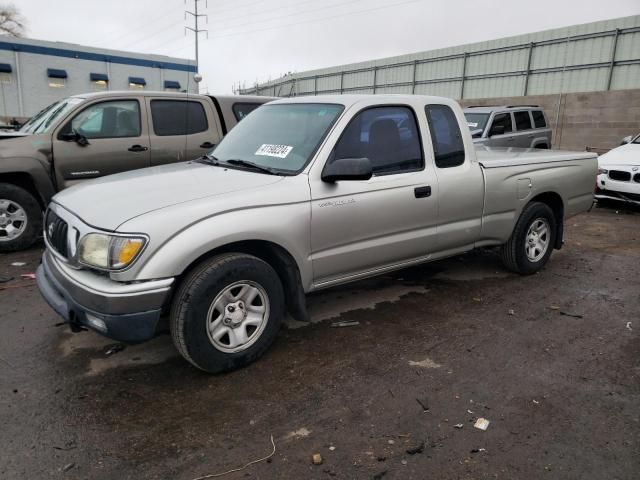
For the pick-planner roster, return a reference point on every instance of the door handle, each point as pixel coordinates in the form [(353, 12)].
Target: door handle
[(207, 145), (422, 192), (137, 148), (510, 139)]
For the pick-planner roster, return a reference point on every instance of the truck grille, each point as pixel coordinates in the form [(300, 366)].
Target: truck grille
[(636, 178), (619, 175), (56, 231)]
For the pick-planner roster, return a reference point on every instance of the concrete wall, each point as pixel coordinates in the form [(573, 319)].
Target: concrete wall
[(594, 121)]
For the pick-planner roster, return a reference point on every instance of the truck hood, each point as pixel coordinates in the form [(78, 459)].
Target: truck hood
[(626, 155), (108, 202), (24, 146)]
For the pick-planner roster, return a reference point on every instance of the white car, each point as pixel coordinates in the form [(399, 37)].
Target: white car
[(619, 173)]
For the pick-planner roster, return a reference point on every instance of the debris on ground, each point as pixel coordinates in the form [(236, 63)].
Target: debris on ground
[(391, 442), (416, 449), (215, 475), (458, 425), (381, 458), (403, 461), (32, 276), (424, 403), (477, 299), (629, 326), (512, 312), (345, 324), (536, 401), (332, 448), (478, 450), (554, 307), (482, 423), (316, 458), (18, 264), (568, 314), (426, 363), (114, 348), (300, 433), (469, 411), (68, 467)]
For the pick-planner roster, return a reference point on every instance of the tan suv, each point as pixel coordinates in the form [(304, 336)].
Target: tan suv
[(92, 135)]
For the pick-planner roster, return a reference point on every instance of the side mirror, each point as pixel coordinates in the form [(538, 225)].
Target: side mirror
[(347, 169), (497, 130), (74, 136), (626, 140)]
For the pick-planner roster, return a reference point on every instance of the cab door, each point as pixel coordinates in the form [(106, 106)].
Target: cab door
[(104, 137), (180, 129), (360, 226)]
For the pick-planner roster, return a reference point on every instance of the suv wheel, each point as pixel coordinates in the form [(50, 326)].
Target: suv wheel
[(227, 312), (20, 218), (532, 240)]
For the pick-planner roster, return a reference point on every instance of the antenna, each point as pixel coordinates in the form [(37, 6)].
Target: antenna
[(196, 30)]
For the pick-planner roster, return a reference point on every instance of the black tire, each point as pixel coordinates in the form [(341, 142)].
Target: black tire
[(33, 212), (190, 307), (513, 252)]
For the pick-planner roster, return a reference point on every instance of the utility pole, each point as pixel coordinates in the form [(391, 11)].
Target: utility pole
[(196, 30)]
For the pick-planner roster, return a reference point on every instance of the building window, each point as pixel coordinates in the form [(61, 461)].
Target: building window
[(57, 78), (171, 86), (99, 81), (137, 83), (5, 73)]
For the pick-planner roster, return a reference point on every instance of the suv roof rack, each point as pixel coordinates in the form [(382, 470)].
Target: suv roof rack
[(483, 106), (519, 106)]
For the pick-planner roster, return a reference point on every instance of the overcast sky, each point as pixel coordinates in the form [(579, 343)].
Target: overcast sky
[(253, 40)]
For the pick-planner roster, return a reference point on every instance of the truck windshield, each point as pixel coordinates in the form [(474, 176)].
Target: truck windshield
[(476, 121), (281, 137), (45, 120)]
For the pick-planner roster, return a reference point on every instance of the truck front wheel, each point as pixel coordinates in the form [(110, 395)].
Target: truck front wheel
[(532, 240), (227, 312), (20, 218)]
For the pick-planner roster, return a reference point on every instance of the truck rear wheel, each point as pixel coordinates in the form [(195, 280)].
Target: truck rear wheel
[(227, 312), (532, 240), (20, 218)]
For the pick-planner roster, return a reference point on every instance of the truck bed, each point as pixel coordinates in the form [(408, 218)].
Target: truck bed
[(495, 157)]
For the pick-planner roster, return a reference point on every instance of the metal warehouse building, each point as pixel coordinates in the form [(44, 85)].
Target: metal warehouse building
[(35, 73), (596, 56)]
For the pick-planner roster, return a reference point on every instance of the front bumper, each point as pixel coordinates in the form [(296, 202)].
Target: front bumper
[(125, 312)]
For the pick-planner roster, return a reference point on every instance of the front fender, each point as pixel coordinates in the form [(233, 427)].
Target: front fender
[(31, 168), (284, 225)]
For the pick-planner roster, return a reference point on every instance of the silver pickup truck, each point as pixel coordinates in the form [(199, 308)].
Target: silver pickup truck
[(304, 194)]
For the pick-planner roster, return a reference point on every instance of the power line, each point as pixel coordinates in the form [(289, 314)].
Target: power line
[(111, 37), (366, 10)]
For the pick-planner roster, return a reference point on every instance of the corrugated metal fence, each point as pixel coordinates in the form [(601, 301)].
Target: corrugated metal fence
[(603, 58)]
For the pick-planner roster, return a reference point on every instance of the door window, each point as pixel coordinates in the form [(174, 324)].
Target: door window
[(523, 120), (178, 117), (538, 119), (113, 119), (501, 120), (387, 136), (446, 137), (241, 110)]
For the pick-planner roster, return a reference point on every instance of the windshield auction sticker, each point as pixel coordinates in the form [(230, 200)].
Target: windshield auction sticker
[(268, 150), (472, 124)]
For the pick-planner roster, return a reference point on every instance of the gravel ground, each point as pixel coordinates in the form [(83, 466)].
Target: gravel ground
[(551, 360)]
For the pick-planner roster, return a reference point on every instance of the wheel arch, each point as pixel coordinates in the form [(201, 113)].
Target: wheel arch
[(280, 260), (554, 201), (25, 181)]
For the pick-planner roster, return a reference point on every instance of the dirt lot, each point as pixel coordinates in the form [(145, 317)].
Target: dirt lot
[(551, 360)]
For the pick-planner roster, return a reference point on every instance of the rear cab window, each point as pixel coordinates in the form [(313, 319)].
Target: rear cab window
[(538, 119), (523, 120), (178, 117), (241, 110), (448, 146)]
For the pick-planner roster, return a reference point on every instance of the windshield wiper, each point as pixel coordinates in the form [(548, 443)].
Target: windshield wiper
[(255, 166), (208, 159)]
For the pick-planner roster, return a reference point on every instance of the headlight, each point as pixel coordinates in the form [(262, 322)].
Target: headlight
[(602, 171), (109, 252)]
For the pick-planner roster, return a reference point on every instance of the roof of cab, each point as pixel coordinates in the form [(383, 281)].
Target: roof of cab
[(349, 100), (136, 93)]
